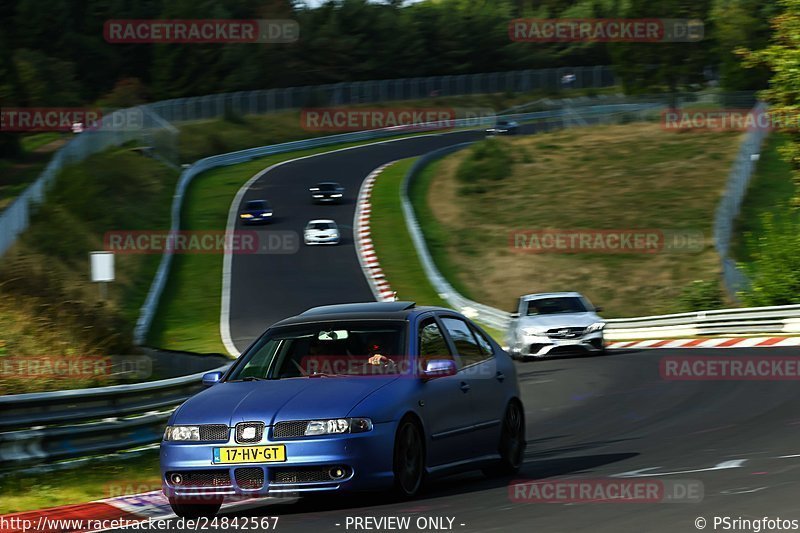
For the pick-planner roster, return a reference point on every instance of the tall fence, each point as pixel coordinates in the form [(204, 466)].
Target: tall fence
[(729, 207), (158, 134), (366, 92)]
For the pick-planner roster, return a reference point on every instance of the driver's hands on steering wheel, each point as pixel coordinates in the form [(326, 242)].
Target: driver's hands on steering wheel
[(379, 359)]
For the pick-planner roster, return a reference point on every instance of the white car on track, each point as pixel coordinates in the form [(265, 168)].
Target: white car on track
[(555, 323), (321, 231)]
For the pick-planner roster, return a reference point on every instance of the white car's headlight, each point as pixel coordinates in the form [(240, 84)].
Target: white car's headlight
[(336, 195), (338, 425), (182, 433), (597, 326), (533, 331)]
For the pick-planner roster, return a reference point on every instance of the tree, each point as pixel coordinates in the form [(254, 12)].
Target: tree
[(783, 94)]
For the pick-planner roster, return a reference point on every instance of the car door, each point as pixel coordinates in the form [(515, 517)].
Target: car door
[(488, 390), (444, 401)]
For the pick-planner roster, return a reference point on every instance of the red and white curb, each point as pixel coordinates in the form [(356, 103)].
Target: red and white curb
[(364, 248), (720, 342)]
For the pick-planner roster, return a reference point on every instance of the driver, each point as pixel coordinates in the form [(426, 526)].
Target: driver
[(376, 357)]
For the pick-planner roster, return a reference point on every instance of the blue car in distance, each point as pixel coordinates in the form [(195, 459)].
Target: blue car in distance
[(344, 398), (255, 212)]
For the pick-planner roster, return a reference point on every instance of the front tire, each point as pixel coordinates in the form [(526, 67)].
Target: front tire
[(512, 443), (194, 510), (409, 459)]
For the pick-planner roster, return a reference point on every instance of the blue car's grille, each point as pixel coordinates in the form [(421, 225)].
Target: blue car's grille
[(283, 430), (249, 478), (201, 478), (311, 474), (209, 432), (259, 432)]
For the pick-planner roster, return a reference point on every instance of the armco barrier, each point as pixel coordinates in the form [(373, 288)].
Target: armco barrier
[(50, 426)]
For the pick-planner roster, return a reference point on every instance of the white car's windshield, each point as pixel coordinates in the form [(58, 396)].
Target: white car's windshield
[(551, 306)]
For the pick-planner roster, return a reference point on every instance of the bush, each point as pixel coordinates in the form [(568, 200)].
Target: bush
[(488, 160), (701, 295), (775, 270)]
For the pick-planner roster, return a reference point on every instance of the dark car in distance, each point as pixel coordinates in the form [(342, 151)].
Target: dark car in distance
[(504, 127), (327, 192)]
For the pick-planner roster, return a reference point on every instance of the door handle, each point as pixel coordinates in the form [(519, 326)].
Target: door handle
[(464, 387), (500, 376)]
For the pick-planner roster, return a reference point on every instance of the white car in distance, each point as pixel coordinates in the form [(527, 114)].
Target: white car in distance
[(321, 231), (555, 323)]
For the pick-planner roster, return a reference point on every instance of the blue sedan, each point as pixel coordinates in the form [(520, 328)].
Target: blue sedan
[(351, 397)]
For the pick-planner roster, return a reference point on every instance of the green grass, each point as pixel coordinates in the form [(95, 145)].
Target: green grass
[(48, 305), (29, 492), (398, 257), (436, 235), (770, 191), (624, 177), (32, 142)]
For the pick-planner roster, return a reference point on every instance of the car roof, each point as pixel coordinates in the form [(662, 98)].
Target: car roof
[(257, 200), (320, 220), (328, 183), (537, 296), (400, 310)]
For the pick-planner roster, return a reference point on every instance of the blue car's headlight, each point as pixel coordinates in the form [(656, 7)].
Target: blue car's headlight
[(184, 433), (338, 425)]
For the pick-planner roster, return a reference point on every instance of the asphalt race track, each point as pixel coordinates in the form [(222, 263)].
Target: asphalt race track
[(586, 417), (266, 288), (595, 417)]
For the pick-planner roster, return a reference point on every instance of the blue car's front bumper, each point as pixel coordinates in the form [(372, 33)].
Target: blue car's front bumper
[(366, 458)]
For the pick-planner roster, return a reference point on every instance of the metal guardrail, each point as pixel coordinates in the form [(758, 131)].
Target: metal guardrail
[(729, 206), (781, 319), (51, 426)]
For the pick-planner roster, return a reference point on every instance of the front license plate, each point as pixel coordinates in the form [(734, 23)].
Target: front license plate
[(250, 454)]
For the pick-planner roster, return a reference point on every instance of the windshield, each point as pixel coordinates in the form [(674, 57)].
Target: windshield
[(325, 349), (552, 306), (257, 204), (321, 225), (327, 186)]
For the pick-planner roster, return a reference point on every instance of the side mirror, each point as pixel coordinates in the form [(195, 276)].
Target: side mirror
[(438, 368), (514, 315), (211, 378), (597, 308)]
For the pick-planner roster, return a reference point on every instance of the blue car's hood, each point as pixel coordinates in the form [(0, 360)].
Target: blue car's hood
[(278, 400)]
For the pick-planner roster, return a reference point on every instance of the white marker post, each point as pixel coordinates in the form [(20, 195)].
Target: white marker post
[(102, 270)]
